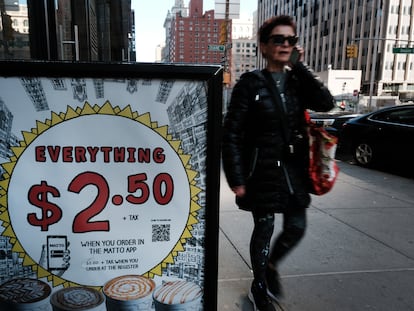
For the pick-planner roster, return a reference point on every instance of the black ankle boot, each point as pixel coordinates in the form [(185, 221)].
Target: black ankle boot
[(258, 296), (274, 287)]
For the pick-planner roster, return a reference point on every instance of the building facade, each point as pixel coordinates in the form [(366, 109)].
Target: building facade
[(327, 27), (92, 30), (180, 9), (243, 54), (244, 47), (189, 38)]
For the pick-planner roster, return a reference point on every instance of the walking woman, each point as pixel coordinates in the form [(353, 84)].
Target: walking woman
[(265, 151)]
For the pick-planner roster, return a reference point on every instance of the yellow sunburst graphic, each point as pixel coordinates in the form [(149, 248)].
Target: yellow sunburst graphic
[(87, 109)]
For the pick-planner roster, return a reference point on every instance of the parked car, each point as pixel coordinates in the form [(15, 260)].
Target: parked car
[(333, 121), (381, 138)]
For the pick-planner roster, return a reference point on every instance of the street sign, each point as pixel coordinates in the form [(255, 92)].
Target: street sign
[(216, 48), (403, 50)]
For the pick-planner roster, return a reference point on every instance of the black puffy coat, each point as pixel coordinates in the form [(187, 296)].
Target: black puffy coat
[(254, 148)]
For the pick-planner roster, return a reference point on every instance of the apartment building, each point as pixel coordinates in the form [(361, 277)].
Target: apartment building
[(244, 47), (189, 37), (243, 57), (381, 30)]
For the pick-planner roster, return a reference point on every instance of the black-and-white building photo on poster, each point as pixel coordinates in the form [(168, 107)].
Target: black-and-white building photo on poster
[(109, 186)]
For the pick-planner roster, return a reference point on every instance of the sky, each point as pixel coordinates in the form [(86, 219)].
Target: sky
[(150, 17)]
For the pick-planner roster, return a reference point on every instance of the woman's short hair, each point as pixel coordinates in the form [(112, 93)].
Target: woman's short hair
[(267, 27)]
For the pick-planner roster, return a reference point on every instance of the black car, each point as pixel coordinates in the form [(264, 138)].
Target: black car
[(333, 123), (381, 138)]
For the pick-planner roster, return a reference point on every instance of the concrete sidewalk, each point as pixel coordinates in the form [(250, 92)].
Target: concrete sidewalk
[(358, 253)]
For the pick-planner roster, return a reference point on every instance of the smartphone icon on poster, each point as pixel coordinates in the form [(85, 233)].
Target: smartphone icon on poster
[(56, 250)]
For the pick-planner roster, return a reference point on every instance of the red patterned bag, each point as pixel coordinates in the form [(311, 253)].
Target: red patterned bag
[(323, 169)]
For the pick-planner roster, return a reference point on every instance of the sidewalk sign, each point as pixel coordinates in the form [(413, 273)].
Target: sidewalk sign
[(110, 170)]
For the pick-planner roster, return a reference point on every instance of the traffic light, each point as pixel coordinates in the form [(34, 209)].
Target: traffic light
[(351, 51), (223, 33)]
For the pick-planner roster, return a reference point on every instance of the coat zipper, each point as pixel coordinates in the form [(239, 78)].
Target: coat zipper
[(253, 162), (289, 183)]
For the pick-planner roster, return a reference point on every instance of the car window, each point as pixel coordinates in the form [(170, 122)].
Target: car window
[(401, 116)]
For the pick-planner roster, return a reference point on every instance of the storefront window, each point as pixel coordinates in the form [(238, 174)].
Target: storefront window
[(68, 30)]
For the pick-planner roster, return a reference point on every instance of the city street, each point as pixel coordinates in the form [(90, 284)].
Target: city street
[(358, 253)]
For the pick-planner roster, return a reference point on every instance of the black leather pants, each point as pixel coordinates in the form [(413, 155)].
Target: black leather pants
[(294, 226)]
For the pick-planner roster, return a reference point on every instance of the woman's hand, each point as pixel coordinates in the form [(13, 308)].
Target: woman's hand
[(301, 52), (239, 191)]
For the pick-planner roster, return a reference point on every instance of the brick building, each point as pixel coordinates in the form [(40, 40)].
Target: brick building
[(189, 36)]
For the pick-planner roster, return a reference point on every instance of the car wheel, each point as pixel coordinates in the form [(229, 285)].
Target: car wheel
[(364, 154)]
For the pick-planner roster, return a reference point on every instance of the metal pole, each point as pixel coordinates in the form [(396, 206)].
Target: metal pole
[(226, 54), (382, 39), (76, 41), (226, 44), (374, 58), (62, 51)]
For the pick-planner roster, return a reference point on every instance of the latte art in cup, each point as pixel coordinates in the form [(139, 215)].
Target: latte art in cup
[(25, 294), (129, 292), (178, 295), (77, 298)]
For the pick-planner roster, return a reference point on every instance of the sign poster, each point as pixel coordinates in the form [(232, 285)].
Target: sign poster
[(103, 189)]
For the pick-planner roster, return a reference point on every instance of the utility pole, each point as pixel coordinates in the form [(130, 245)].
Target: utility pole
[(374, 59), (227, 46)]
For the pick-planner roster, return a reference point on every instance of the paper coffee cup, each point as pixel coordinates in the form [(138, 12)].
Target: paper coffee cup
[(178, 295), (129, 292), (24, 294), (77, 298)]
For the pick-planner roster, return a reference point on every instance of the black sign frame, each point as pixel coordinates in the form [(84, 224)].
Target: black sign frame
[(211, 75)]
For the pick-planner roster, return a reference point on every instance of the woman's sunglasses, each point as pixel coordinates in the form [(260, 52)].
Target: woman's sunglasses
[(280, 39)]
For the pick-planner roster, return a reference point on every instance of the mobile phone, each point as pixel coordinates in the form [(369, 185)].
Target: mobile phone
[(56, 249), (294, 56)]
